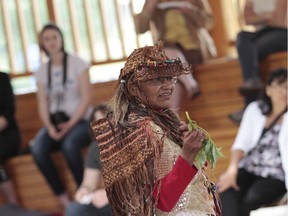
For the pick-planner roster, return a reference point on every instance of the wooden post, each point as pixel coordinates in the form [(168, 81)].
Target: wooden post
[(218, 32), (51, 10)]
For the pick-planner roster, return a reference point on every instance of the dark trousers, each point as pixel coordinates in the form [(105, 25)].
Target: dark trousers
[(9, 144), (254, 192), (70, 145), (9, 147), (252, 47), (76, 209)]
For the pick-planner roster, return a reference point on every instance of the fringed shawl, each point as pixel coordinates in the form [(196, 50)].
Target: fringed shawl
[(128, 164)]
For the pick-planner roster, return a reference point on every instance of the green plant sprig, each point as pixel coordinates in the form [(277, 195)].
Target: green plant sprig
[(209, 152)]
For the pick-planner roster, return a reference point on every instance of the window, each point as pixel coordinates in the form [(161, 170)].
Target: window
[(100, 31)]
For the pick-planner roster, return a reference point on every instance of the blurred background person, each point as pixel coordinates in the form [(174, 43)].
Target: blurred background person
[(258, 171), (182, 25), (269, 17), (91, 198), (64, 104), (9, 137)]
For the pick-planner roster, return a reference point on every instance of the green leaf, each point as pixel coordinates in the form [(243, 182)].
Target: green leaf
[(190, 128), (200, 159), (215, 154), (209, 152), (188, 117), (207, 146), (219, 153)]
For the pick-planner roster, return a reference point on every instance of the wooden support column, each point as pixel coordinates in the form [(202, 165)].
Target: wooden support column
[(74, 26), (8, 35), (23, 31), (51, 10), (89, 27), (104, 28), (218, 32)]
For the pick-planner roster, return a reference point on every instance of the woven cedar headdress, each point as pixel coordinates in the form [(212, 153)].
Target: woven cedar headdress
[(150, 62)]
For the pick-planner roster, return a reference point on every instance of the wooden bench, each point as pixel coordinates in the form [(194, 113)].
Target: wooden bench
[(32, 189), (219, 82), (273, 62)]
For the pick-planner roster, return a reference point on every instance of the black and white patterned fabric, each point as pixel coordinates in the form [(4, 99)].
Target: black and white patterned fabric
[(264, 160)]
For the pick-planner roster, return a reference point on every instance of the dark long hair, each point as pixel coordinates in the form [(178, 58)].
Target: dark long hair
[(54, 27), (265, 103)]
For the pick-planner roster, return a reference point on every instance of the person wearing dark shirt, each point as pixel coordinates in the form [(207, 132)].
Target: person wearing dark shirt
[(90, 198), (9, 136)]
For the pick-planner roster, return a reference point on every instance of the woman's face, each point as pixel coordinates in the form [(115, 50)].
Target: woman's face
[(156, 93), (51, 41), (277, 92), (99, 114)]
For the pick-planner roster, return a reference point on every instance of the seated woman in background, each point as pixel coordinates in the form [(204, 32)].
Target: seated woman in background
[(90, 197), (9, 136), (258, 169), (270, 20), (64, 104)]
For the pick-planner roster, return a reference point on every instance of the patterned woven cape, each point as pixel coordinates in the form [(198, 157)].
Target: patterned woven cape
[(128, 164)]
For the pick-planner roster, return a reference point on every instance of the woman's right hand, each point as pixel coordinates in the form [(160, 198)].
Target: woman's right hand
[(53, 133), (192, 142), (3, 123), (100, 199), (80, 193), (228, 180)]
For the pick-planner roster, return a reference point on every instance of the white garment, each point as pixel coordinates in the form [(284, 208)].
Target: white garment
[(71, 92), (264, 6), (251, 128), (207, 45), (275, 211)]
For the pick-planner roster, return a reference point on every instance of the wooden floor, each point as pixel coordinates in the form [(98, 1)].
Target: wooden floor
[(219, 82)]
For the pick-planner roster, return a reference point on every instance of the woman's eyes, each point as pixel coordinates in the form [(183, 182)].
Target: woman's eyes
[(162, 80)]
